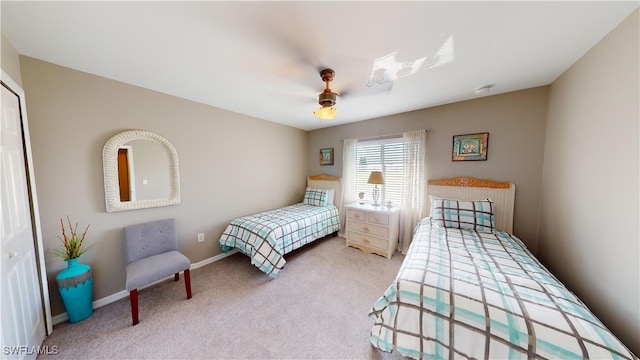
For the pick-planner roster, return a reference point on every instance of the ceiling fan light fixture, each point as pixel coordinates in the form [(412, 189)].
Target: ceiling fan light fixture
[(326, 112), (327, 98)]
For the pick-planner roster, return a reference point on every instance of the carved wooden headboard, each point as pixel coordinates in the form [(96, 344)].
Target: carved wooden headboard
[(471, 189)]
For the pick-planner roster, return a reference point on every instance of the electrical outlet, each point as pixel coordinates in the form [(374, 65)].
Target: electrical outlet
[(201, 237)]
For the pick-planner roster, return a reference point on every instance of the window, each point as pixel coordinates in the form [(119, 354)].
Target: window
[(381, 155)]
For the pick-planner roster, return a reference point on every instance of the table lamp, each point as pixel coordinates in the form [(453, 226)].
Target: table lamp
[(376, 178)]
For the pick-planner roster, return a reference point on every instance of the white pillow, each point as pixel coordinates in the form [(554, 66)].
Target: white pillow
[(431, 199), (331, 193)]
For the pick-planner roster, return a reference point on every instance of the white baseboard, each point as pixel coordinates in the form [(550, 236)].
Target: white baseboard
[(124, 293)]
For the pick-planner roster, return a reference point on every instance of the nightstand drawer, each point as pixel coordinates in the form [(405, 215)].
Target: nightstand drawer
[(376, 218), (368, 228), (356, 214), (365, 240)]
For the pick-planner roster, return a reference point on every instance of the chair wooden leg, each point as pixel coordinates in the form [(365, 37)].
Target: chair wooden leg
[(187, 283), (176, 277), (133, 295)]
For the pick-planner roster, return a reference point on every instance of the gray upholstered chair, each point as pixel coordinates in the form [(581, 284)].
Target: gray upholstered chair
[(151, 251)]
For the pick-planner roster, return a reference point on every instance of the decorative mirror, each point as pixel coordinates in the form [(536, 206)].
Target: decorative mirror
[(140, 171)]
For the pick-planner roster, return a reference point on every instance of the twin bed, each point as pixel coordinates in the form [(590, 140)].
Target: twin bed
[(267, 236), (468, 288)]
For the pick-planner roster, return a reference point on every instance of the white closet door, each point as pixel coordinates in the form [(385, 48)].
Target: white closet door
[(22, 316)]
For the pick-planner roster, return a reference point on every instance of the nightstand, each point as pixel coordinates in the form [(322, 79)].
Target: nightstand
[(373, 229)]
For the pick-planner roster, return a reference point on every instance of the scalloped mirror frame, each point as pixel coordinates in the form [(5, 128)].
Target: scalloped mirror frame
[(110, 168)]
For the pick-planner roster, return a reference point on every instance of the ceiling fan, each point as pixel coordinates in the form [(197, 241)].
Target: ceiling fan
[(327, 98), (304, 49)]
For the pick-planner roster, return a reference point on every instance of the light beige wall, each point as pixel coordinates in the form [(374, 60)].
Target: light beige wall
[(589, 232), (230, 164), (10, 60), (515, 122)]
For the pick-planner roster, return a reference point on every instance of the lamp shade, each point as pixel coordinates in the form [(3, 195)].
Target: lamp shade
[(376, 178), (326, 113)]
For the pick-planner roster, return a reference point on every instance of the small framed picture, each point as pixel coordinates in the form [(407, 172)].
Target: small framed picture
[(326, 156), (470, 147)]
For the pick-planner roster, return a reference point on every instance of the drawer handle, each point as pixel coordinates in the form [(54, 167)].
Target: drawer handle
[(365, 240), (357, 216), (375, 219), (366, 229)]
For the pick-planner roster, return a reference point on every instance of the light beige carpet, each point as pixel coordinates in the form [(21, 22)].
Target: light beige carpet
[(317, 308)]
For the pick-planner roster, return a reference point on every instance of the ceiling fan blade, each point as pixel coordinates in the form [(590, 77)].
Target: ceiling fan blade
[(302, 98), (293, 40), (366, 91)]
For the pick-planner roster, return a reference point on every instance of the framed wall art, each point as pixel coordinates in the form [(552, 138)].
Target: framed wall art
[(326, 156), (470, 147)]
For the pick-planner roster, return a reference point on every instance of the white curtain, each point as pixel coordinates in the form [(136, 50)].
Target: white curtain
[(413, 187), (348, 179)]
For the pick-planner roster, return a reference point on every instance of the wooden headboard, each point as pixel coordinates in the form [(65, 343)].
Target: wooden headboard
[(470, 189)]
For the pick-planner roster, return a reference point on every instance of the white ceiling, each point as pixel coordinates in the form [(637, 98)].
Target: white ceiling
[(263, 58)]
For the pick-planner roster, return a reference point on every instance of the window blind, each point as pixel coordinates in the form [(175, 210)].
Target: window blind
[(380, 155)]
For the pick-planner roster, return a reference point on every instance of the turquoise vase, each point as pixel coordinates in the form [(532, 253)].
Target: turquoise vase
[(75, 284)]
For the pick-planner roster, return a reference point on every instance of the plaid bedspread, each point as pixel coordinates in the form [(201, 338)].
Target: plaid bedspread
[(266, 237), (463, 294)]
